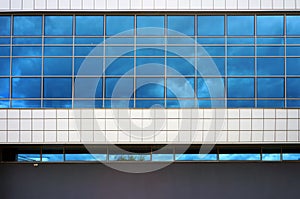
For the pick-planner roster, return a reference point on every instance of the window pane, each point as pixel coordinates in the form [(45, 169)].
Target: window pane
[(292, 87), (210, 88), (240, 103), (269, 25), (207, 51), (211, 103), (270, 66), (293, 66), (270, 40), (4, 50), (26, 87), (240, 66), (4, 66), (87, 103), (26, 66), (150, 51), (26, 104), (180, 103), (89, 51), (182, 24), (210, 66), (58, 51), (58, 40), (4, 87), (182, 51), (240, 51), (205, 27), (5, 25), (293, 104), (150, 66), (210, 40), (89, 25), (86, 89), (150, 103), (89, 40), (180, 87), (27, 25), (157, 23), (58, 25), (236, 87), (150, 88), (57, 103), (180, 66), (118, 104), (58, 66), (270, 87), (240, 25), (119, 24), (270, 103), (5, 40), (240, 40), (57, 87), (119, 66), (121, 51), (119, 87), (293, 51), (25, 40), (27, 51), (88, 66), (293, 23), (270, 51)]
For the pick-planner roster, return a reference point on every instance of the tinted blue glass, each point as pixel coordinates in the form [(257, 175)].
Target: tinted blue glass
[(270, 40), (150, 66), (293, 51), (208, 51), (118, 104), (210, 25), (211, 40), (240, 51), (4, 87), (293, 103), (270, 66), (88, 66), (58, 25), (85, 90), (149, 104), (150, 51), (120, 40), (52, 157), (269, 25), (195, 157), (4, 104), (89, 51), (182, 24), (270, 51), (150, 88), (4, 66), (4, 50), (270, 87), (27, 51), (58, 66), (59, 40), (236, 87), (89, 40), (292, 87), (122, 51), (57, 103), (57, 87), (240, 103), (26, 87), (293, 40), (156, 23), (210, 88), (24, 40), (180, 40), (89, 25), (210, 66), (26, 66), (240, 66), (28, 25), (150, 40), (180, 103), (239, 157), (270, 103), (211, 103), (291, 156), (293, 66), (5, 40), (180, 66), (58, 51), (240, 25), (5, 25), (119, 24), (180, 87), (271, 156), (87, 103), (119, 66), (292, 25), (26, 104), (180, 51), (240, 40), (118, 87)]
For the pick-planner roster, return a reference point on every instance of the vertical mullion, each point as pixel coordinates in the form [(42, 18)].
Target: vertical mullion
[(134, 62), (165, 75), (104, 61), (42, 75), (285, 59), (255, 61), (225, 60), (195, 61), (10, 59), (73, 59)]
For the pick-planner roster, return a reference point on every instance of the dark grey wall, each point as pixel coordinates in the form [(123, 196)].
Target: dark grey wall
[(179, 180)]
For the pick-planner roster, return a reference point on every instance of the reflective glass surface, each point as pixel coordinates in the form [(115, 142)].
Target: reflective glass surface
[(122, 25), (59, 25), (89, 25), (5, 25), (269, 25), (182, 25), (27, 25), (150, 25), (240, 25), (205, 27)]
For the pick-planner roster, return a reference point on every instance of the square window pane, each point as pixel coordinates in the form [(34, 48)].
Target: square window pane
[(26, 66), (180, 66), (210, 66), (205, 27), (4, 66), (270, 87), (269, 25), (240, 87), (240, 66), (88, 66), (122, 25), (59, 25), (119, 66), (119, 87), (57, 87), (150, 25), (181, 25), (88, 87), (180, 87), (210, 88), (4, 87), (292, 25), (27, 51), (26, 87), (5, 25), (270, 66), (150, 66), (293, 66), (89, 25), (57, 66), (292, 87), (150, 87), (240, 25), (27, 25)]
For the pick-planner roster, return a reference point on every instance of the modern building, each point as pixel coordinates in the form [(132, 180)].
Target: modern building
[(209, 86)]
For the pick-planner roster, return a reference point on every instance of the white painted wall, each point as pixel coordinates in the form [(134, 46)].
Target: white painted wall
[(118, 5)]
